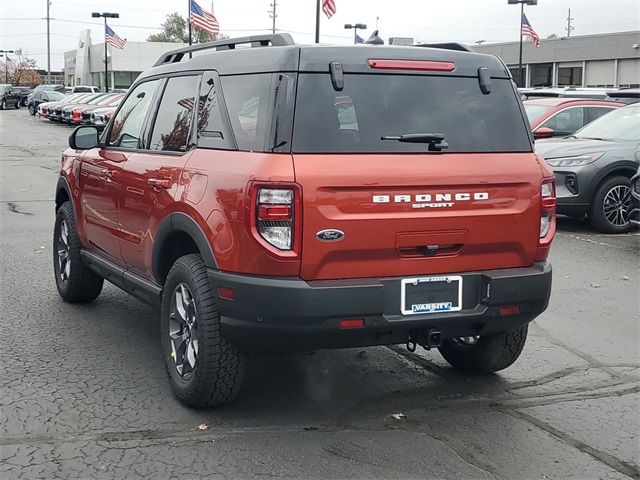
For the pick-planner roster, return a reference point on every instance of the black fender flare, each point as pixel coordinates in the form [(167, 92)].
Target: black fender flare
[(63, 184), (178, 221), (627, 165)]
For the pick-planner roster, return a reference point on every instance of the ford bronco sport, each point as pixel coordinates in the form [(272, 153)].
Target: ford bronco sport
[(287, 197)]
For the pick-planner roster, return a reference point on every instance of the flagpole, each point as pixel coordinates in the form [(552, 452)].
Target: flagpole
[(106, 60), (190, 42), (317, 21), (520, 84)]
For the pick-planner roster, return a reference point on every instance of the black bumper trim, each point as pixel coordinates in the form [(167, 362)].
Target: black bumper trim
[(290, 313)]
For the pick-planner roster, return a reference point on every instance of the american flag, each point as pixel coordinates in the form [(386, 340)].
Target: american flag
[(329, 8), (113, 39), (528, 31), (204, 20)]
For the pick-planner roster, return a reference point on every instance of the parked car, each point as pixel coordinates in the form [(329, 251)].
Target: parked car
[(110, 103), (43, 96), (23, 92), (85, 89), (426, 221), (559, 117), (47, 110), (67, 111), (625, 95), (634, 210), (564, 92), (57, 114), (9, 98), (84, 111), (101, 116), (593, 169), (46, 87)]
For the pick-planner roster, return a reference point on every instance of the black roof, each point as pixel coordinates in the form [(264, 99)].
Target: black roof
[(282, 55)]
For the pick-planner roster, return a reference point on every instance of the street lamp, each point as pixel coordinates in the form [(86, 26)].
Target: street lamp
[(5, 53), (356, 27), (480, 42), (522, 3), (105, 15)]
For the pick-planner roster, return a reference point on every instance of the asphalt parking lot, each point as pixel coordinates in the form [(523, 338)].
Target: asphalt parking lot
[(83, 392)]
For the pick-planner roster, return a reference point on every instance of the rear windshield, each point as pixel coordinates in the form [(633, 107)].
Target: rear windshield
[(372, 106)]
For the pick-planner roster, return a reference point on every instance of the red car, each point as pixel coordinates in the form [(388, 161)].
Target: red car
[(290, 198), (559, 117)]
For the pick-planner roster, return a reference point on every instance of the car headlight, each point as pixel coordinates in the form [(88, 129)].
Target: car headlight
[(575, 160)]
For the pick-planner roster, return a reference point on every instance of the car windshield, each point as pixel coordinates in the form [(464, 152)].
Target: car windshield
[(534, 112), (620, 124), (53, 96)]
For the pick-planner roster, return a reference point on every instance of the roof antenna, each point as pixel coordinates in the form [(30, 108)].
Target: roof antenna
[(375, 39)]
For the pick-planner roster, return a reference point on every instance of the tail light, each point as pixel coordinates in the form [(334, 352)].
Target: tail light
[(276, 217), (547, 218)]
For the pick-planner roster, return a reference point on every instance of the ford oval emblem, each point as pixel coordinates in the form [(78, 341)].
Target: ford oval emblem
[(330, 235)]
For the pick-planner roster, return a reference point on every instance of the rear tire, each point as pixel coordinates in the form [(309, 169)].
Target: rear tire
[(32, 110), (17, 105), (609, 207), (204, 368), (489, 354), (75, 282)]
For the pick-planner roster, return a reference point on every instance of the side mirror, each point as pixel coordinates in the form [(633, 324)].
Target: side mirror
[(543, 132), (84, 138)]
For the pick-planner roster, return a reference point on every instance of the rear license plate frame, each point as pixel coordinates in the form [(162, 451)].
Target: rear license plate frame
[(445, 306)]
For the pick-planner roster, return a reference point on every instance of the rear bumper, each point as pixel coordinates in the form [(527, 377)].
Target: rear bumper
[(292, 314)]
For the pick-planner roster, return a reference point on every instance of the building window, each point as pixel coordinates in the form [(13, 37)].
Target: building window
[(570, 76), (542, 75), (520, 81), (124, 79)]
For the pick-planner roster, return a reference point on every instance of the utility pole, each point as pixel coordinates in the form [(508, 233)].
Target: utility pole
[(48, 45), (273, 15), (569, 26)]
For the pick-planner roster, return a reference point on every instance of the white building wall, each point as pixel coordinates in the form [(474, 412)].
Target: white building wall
[(629, 71), (600, 73)]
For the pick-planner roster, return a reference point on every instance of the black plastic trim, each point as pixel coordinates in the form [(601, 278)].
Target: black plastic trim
[(181, 222)]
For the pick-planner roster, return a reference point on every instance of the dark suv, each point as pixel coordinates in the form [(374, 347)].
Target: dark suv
[(9, 98), (287, 197)]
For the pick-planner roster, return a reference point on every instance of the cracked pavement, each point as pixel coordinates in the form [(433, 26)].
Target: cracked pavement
[(84, 394)]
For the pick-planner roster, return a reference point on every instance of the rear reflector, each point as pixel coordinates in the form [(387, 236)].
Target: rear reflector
[(420, 65), (351, 323), (226, 293), (509, 311), (274, 212)]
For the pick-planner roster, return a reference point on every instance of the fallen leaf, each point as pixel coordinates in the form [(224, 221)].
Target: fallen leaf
[(203, 426), (595, 285), (399, 416), (625, 278)]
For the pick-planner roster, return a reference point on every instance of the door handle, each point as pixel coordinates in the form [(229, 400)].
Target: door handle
[(159, 183)]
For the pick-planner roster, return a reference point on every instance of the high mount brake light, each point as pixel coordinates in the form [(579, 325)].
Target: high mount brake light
[(418, 65)]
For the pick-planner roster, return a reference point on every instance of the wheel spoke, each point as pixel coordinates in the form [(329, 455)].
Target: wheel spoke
[(183, 330)]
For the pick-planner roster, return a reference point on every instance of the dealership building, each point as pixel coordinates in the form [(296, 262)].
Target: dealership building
[(606, 60), (85, 64)]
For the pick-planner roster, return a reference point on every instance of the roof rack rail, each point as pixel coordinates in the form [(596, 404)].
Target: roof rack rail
[(273, 40), (447, 46)]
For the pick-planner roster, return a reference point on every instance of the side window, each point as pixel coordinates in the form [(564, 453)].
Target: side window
[(567, 121), (128, 123), (173, 122), (247, 101), (212, 125), (597, 112)]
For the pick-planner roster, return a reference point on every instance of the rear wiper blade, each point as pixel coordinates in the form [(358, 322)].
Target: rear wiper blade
[(435, 140)]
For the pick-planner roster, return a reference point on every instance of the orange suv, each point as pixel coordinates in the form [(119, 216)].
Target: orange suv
[(287, 197)]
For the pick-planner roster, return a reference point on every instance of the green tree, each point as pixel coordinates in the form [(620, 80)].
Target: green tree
[(176, 29)]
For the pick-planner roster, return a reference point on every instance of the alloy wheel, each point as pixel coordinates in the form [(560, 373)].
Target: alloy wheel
[(183, 331), (64, 258), (616, 205), (468, 340)]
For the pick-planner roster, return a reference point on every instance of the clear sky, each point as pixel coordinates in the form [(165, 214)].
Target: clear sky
[(467, 21)]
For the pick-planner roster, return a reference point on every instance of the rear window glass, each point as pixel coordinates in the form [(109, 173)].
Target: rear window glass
[(373, 105)]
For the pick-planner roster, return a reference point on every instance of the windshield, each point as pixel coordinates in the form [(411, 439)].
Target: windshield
[(52, 96), (534, 112), (620, 124), (373, 106)]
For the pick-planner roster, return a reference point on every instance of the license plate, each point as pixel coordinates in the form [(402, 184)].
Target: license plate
[(431, 295)]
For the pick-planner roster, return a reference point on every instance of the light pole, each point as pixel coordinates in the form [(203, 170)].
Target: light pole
[(355, 28), (6, 64), (105, 15), (522, 3)]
